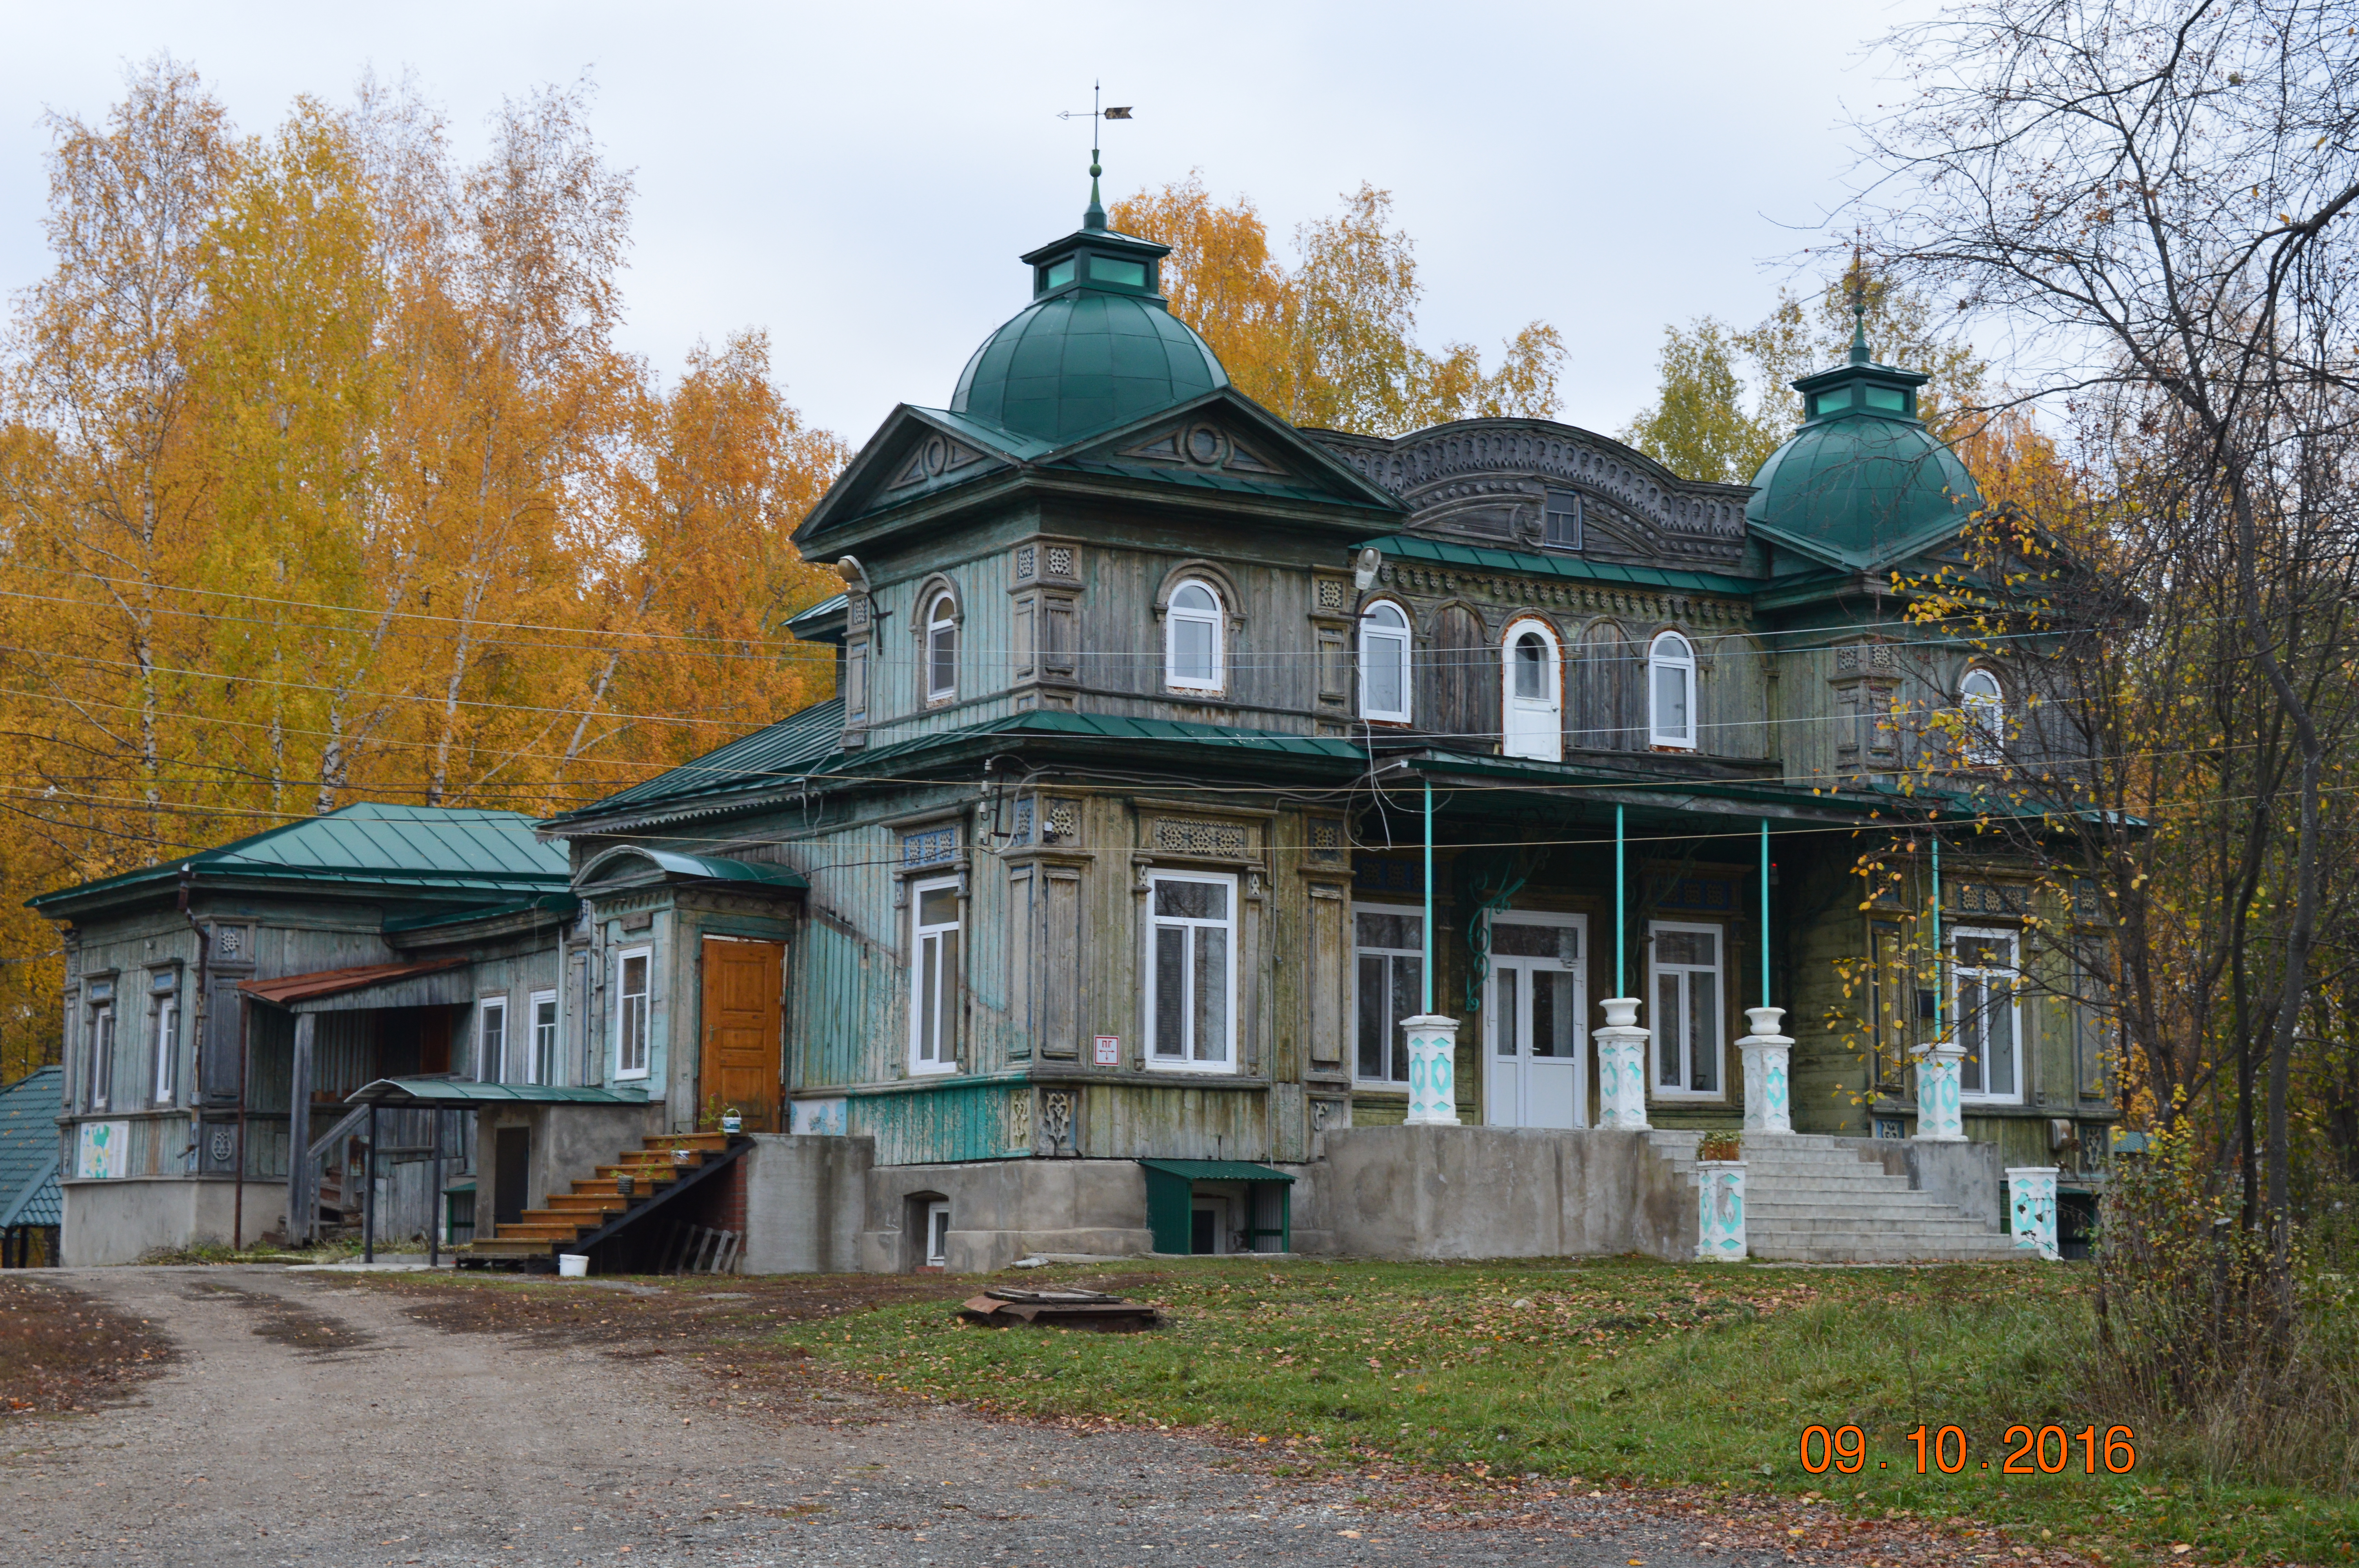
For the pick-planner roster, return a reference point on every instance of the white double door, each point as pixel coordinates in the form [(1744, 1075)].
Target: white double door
[(1538, 1032)]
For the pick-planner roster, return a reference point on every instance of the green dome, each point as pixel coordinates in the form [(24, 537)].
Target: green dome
[(1095, 348), (1862, 477)]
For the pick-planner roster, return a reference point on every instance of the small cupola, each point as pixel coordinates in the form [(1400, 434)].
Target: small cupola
[(1859, 385), (1097, 257)]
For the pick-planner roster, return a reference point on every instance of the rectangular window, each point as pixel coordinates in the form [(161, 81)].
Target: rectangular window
[(1561, 520), (1685, 966), (933, 977), (1106, 269), (1191, 972), (167, 1050), (102, 1058), (633, 971), (492, 1039), (1388, 977), (1889, 398), (1982, 977), (542, 1067)]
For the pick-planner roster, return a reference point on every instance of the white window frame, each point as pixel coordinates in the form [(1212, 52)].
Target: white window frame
[(1552, 749), (1660, 663), (1374, 639), (488, 1008), (541, 1056), (101, 1057), (928, 952), (1959, 973), (165, 1088), (1655, 968), (1985, 717), (633, 1014), (1396, 1046), (942, 620), (1185, 1061), (1216, 619), (937, 1239)]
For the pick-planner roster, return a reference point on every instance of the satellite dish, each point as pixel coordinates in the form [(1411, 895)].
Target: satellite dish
[(1364, 567)]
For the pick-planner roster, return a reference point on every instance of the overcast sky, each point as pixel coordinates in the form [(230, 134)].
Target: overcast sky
[(859, 179)]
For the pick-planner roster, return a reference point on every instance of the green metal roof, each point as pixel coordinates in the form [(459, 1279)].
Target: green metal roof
[(781, 751), (1417, 548), (421, 847), (1217, 1170), (1084, 361), (461, 1091), (557, 905), (29, 1194)]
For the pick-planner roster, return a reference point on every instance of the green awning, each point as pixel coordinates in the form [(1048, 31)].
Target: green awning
[(464, 1092), (1217, 1170)]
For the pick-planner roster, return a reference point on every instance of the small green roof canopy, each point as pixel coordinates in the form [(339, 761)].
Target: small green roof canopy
[(1217, 1170), (29, 1194)]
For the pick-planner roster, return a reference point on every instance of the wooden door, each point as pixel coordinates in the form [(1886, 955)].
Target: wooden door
[(743, 1031)]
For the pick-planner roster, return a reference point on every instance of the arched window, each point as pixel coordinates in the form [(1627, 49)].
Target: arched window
[(1191, 638), (1670, 693), (941, 649), (1533, 721), (1984, 701), (1383, 663)]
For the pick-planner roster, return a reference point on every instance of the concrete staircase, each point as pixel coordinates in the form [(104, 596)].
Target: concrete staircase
[(1814, 1199)]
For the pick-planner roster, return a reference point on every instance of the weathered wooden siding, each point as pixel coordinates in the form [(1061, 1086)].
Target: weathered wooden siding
[(942, 1123)]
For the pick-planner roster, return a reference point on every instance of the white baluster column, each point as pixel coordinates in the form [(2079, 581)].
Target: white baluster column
[(2031, 1205), (1432, 1070), (1622, 1066), (1939, 1118), (1720, 1211), (1768, 1099)]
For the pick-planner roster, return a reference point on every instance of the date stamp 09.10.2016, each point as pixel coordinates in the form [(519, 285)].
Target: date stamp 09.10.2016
[(2029, 1451)]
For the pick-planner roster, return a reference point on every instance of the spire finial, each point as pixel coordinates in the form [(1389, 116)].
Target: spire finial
[(1094, 216), (1859, 354)]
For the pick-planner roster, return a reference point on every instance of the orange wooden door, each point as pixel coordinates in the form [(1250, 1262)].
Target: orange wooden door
[(743, 1031)]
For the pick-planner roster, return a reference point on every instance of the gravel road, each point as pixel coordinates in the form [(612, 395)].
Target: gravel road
[(310, 1421)]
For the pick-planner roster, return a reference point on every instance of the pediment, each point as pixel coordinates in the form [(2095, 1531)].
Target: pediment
[(915, 452), (1203, 442)]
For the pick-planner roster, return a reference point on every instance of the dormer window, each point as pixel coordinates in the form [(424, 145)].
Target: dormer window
[(1671, 692), (1127, 274), (1830, 402), (1891, 399), (1560, 521), (1056, 274)]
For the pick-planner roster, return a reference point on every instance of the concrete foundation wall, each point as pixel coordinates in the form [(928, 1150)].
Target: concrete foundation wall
[(568, 1143), (123, 1219), (1492, 1192), (806, 1204), (1970, 1175), (1004, 1210)]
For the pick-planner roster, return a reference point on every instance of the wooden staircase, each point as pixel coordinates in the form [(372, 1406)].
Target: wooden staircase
[(657, 1169)]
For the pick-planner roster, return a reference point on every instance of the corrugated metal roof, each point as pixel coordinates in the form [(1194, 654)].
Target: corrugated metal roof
[(1217, 1170), (284, 988), (463, 850), (1417, 548), (29, 1150), (461, 1091)]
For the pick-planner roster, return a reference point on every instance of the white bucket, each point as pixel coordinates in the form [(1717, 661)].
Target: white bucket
[(574, 1265)]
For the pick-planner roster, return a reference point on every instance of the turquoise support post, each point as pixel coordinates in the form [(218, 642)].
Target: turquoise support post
[(1937, 935), (1765, 912), (1427, 967), (1619, 902)]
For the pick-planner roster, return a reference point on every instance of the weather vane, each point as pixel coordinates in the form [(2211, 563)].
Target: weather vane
[(1095, 217)]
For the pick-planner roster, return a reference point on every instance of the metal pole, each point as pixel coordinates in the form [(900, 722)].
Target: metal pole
[(245, 1057), (1619, 903), (368, 1192), (1428, 969), (1765, 912), (1937, 937), (434, 1193)]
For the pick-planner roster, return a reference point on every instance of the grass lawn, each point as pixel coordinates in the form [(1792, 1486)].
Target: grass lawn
[(1618, 1370)]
